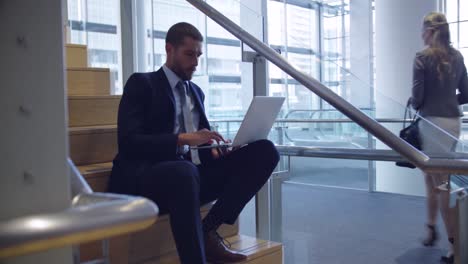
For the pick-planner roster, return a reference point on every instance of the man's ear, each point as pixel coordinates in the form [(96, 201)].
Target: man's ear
[(169, 48)]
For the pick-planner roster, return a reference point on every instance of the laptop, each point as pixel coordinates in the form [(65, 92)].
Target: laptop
[(257, 122)]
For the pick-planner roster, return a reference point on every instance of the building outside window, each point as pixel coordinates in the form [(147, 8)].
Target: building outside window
[(96, 24), (457, 16)]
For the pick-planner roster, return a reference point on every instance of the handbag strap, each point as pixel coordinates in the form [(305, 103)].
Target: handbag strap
[(408, 113)]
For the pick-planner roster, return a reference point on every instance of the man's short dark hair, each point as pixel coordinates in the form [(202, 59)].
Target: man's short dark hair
[(177, 33)]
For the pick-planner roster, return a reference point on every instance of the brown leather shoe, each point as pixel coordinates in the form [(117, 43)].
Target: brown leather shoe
[(218, 252)]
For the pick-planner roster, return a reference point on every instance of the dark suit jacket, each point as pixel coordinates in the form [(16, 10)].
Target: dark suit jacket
[(145, 128), (433, 96)]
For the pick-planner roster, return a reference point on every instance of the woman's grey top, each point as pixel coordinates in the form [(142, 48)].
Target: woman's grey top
[(434, 96)]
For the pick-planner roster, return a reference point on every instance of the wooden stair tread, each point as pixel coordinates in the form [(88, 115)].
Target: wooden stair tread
[(88, 69), (72, 45), (95, 170), (87, 97), (92, 129), (258, 251), (253, 247), (154, 242), (97, 175)]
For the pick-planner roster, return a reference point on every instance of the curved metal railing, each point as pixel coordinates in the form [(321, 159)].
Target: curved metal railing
[(92, 216)]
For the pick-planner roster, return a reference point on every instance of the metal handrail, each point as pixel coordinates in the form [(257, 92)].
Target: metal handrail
[(91, 217), (416, 157), (329, 120), (357, 154)]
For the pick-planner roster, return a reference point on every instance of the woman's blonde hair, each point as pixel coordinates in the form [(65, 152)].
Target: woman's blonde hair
[(440, 50)]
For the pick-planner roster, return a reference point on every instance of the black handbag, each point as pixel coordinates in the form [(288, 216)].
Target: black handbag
[(410, 134)]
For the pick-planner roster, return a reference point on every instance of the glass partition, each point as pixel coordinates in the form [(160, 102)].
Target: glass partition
[(307, 120), (221, 72)]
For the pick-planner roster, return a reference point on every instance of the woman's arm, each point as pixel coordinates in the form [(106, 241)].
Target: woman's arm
[(418, 82), (463, 86)]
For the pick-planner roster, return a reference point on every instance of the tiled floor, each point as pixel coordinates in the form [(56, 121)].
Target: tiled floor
[(331, 225)]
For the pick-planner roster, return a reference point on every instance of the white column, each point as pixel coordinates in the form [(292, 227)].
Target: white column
[(361, 65), (33, 138), (361, 53), (398, 38)]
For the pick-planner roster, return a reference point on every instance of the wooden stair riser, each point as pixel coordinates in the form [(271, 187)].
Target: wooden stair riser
[(77, 56), (88, 81), (272, 258), (157, 240), (258, 252), (89, 147), (152, 242), (117, 246), (92, 110), (97, 175)]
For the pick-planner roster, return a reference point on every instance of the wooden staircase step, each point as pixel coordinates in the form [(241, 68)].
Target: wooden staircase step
[(153, 242), (93, 144), (88, 81), (77, 55), (97, 175), (93, 110), (157, 240), (258, 251)]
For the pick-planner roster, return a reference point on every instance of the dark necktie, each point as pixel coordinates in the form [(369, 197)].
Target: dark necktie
[(187, 119)]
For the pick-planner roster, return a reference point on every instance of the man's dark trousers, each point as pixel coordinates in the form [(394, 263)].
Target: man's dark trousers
[(181, 187)]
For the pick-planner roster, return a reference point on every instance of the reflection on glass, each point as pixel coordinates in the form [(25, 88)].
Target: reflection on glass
[(463, 41)]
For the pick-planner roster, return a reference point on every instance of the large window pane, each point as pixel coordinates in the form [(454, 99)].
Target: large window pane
[(276, 26), (293, 29), (463, 41), (453, 27), (168, 12), (302, 27), (219, 70), (230, 9), (223, 60), (225, 100), (457, 15), (464, 52), (452, 10), (96, 24), (463, 8)]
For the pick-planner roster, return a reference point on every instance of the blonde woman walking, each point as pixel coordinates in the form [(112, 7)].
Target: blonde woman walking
[(438, 72)]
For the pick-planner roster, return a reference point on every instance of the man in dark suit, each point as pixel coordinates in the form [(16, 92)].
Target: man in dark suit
[(161, 113)]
